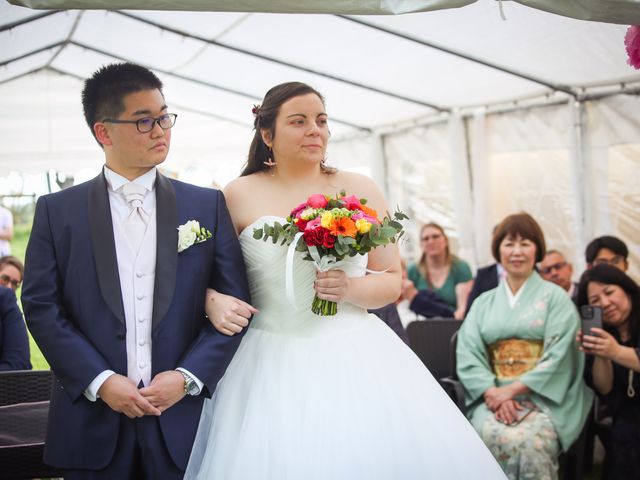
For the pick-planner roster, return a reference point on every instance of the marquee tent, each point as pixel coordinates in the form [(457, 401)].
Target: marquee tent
[(464, 111)]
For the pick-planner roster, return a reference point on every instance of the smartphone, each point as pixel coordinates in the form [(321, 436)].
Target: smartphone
[(591, 317), (520, 415)]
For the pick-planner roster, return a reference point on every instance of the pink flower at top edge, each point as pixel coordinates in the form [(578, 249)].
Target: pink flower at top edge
[(632, 44), (317, 200), (352, 202)]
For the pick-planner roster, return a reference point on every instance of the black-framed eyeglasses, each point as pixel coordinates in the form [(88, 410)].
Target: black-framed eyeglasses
[(146, 124), (7, 280), (551, 268)]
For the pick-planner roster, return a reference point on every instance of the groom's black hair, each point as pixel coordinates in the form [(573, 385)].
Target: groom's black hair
[(104, 92)]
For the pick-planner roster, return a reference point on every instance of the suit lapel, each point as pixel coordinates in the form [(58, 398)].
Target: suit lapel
[(104, 247), (167, 247)]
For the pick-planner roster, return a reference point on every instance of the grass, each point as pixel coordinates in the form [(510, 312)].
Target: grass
[(18, 248)]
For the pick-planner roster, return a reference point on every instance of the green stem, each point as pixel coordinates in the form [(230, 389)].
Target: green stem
[(324, 307)]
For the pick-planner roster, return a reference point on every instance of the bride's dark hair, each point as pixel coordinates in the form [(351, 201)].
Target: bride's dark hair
[(265, 119)]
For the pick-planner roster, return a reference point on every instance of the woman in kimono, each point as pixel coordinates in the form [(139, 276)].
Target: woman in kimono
[(613, 364), (518, 361)]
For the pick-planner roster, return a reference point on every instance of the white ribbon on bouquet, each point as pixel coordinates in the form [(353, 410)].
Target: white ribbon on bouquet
[(328, 262)]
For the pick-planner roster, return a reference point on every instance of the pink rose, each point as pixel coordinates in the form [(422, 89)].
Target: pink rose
[(317, 200), (298, 209), (311, 224), (368, 218), (351, 202)]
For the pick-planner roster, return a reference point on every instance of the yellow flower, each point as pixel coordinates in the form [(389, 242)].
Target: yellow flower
[(327, 217), (362, 225)]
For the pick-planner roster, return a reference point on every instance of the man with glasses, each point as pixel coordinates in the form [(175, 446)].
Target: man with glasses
[(116, 306), (14, 341), (555, 268), (607, 250), (11, 272)]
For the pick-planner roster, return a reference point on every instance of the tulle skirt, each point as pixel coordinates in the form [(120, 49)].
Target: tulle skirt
[(346, 403)]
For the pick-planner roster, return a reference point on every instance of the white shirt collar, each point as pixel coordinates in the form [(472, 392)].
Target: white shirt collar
[(511, 298), (116, 181)]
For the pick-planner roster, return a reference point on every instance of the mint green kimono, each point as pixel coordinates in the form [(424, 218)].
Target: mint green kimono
[(545, 312)]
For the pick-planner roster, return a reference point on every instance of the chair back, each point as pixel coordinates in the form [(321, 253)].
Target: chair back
[(431, 341), (24, 405), (23, 386)]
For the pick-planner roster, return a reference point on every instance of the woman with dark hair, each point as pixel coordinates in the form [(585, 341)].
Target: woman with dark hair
[(518, 362), (613, 363), (310, 397), (440, 271)]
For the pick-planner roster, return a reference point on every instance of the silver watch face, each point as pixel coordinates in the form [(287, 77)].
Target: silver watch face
[(191, 387)]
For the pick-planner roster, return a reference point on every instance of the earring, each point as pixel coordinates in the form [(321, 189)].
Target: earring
[(270, 163)]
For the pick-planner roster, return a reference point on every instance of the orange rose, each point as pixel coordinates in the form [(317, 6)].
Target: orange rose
[(343, 226)]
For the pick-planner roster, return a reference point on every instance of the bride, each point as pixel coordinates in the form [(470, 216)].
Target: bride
[(312, 397)]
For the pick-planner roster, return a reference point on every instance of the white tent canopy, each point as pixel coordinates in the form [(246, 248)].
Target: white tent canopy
[(462, 116)]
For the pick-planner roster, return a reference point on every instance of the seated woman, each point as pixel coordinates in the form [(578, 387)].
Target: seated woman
[(518, 362), (440, 271), (613, 363)]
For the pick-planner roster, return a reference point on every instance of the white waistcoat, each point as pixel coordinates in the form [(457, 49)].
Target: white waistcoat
[(137, 278)]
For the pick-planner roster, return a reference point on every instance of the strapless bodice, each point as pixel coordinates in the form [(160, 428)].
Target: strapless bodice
[(266, 267)]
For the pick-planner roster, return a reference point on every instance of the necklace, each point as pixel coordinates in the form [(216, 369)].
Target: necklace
[(631, 392)]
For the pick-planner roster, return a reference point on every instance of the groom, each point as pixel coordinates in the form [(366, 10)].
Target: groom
[(116, 310)]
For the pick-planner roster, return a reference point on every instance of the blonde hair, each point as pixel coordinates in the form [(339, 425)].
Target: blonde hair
[(423, 267)]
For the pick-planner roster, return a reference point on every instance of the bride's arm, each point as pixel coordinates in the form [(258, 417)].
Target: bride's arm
[(372, 290), (228, 314)]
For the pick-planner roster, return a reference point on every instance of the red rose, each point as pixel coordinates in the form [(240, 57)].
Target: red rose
[(301, 224), (328, 240), (314, 237)]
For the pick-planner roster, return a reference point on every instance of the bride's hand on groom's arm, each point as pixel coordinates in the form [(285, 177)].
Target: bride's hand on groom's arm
[(123, 396), (165, 389), (227, 314)]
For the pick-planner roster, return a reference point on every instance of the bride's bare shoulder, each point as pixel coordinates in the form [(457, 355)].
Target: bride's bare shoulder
[(238, 194), (239, 187)]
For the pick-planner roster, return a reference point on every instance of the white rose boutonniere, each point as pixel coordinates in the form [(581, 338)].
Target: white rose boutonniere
[(191, 233)]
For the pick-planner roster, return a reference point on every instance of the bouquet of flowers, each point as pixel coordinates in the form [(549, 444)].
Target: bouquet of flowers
[(328, 229)]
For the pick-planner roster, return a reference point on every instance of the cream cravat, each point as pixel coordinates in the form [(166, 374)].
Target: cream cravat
[(136, 222)]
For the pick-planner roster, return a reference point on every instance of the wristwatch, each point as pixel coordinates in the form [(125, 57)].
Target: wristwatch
[(190, 385)]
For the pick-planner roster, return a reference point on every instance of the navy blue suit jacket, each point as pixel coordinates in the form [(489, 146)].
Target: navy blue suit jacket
[(73, 306), (14, 341), (486, 279)]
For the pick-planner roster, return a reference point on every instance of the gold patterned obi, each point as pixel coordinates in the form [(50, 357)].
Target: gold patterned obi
[(513, 357)]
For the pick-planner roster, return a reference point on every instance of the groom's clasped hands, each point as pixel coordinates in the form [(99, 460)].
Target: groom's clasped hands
[(123, 396)]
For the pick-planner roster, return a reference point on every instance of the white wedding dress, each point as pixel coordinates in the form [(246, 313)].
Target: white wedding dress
[(328, 398)]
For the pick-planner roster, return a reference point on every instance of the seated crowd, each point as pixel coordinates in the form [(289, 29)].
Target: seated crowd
[(518, 350), (529, 391)]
